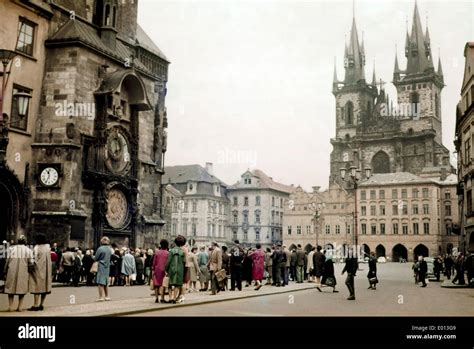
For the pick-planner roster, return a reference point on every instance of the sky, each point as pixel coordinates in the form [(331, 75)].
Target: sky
[(249, 85)]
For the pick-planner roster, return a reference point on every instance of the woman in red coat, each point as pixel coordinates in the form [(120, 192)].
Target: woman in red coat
[(258, 266), (158, 267)]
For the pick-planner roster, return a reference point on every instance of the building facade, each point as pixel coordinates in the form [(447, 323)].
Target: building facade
[(402, 215), (199, 204), (257, 206), (464, 141), (99, 138)]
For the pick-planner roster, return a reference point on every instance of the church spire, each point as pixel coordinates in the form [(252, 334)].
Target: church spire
[(355, 58), (374, 79), (417, 48), (440, 69)]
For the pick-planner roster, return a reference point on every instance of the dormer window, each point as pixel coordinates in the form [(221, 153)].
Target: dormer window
[(247, 181), (190, 187)]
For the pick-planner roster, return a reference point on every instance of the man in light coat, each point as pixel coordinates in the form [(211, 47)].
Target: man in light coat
[(310, 265), (215, 264)]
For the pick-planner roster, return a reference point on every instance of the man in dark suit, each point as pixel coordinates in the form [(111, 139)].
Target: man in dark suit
[(318, 264), (423, 270), (350, 267), (236, 258)]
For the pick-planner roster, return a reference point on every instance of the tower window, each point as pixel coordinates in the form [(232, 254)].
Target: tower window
[(437, 110), (107, 15), (415, 101), (349, 113)]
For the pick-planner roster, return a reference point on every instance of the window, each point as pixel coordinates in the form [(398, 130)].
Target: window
[(26, 36), (426, 209), (234, 234), (349, 109), (257, 201), (19, 121), (257, 217), (246, 201), (469, 201), (382, 194), (236, 201), (394, 210), (405, 229), (257, 235), (194, 206), (281, 203), (405, 209), (273, 201), (186, 204), (236, 219), (185, 229), (328, 229), (289, 230), (404, 194), (372, 195), (425, 192), (175, 207), (415, 229), (448, 209), (373, 211), (246, 235), (348, 229), (338, 229), (382, 228), (467, 151), (363, 211), (414, 193), (363, 195), (415, 208), (395, 228), (174, 229), (382, 210), (449, 229), (273, 217), (308, 229), (447, 195), (298, 230), (193, 229), (373, 229), (415, 100), (426, 228), (364, 228), (394, 193), (246, 218)]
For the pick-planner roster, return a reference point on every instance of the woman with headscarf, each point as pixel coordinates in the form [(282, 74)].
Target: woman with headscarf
[(158, 270), (128, 267), (102, 257), (41, 274), (19, 259), (258, 266)]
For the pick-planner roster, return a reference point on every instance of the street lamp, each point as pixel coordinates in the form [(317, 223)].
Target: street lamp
[(317, 215), (354, 178)]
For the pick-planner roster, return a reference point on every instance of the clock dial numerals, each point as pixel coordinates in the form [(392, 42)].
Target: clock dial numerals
[(117, 208), (49, 176)]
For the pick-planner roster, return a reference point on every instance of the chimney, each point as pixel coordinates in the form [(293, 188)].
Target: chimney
[(316, 188), (209, 168)]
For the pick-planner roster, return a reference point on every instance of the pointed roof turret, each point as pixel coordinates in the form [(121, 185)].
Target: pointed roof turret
[(374, 79), (355, 58), (440, 69), (418, 52)]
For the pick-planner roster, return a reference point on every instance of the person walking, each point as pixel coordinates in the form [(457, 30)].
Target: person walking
[(258, 266), (300, 262), (215, 264), (350, 268), (19, 260), (159, 270), (129, 269), (203, 260), (175, 269), (328, 276), (236, 259), (41, 275), (372, 274), (318, 265), (423, 269), (102, 257)]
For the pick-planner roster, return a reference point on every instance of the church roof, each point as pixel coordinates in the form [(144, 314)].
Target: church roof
[(144, 41), (399, 178), (188, 173), (266, 182)]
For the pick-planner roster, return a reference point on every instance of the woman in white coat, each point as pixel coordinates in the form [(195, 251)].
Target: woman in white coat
[(16, 271)]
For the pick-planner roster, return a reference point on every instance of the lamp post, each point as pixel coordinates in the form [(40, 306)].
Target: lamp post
[(317, 216), (354, 178)]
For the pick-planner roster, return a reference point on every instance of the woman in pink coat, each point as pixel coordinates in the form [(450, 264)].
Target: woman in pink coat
[(258, 266), (158, 267)]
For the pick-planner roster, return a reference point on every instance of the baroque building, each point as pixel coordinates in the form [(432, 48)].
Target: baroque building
[(98, 137), (198, 204), (371, 131), (257, 206)]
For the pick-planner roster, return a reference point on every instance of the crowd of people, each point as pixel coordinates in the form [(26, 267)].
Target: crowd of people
[(459, 266)]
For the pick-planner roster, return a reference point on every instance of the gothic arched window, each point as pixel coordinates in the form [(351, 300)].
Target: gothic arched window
[(349, 111), (437, 109), (381, 163), (415, 103), (98, 13)]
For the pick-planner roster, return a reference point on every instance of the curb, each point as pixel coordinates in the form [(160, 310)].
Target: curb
[(207, 301)]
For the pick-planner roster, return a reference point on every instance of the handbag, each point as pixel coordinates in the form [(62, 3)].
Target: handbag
[(166, 282), (220, 275), (374, 280), (133, 277), (94, 268), (330, 281)]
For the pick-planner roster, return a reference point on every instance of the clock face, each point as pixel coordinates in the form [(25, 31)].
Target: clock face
[(117, 208), (49, 176), (117, 155)]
